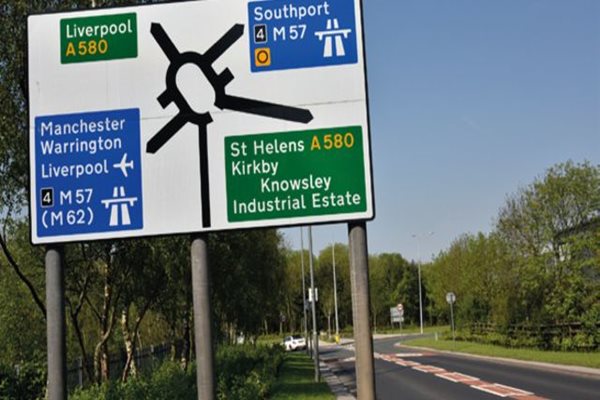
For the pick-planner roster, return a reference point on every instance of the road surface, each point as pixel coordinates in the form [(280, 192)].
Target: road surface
[(404, 373)]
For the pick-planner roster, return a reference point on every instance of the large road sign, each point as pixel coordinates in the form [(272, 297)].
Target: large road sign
[(197, 116)]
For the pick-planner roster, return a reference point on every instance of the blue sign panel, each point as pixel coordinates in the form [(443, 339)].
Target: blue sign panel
[(88, 172), (288, 34)]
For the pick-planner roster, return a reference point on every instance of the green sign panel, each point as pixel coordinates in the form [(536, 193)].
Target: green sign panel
[(106, 37), (295, 174)]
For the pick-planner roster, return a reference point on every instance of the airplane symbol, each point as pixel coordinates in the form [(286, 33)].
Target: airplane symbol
[(124, 164)]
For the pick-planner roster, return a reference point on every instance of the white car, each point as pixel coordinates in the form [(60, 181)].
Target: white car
[(294, 342)]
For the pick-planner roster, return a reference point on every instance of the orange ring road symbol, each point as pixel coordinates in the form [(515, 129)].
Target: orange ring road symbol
[(262, 57)]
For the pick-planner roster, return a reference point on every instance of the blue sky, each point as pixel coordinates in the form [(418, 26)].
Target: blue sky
[(470, 100)]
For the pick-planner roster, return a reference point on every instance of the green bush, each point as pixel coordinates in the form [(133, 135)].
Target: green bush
[(243, 373), (29, 383)]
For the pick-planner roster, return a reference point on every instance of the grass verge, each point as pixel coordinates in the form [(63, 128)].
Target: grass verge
[(296, 380), (591, 360)]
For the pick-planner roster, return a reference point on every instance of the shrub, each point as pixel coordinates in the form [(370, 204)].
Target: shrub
[(28, 383), (243, 373)]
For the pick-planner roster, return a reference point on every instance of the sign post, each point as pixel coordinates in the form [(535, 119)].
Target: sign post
[(313, 298), (401, 312), (56, 325), (363, 340), (205, 374), (450, 299), (304, 305)]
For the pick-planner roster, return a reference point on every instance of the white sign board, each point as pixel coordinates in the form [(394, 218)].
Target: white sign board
[(197, 116), (450, 297), (396, 315)]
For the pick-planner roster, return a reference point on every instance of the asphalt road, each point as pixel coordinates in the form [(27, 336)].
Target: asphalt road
[(403, 373)]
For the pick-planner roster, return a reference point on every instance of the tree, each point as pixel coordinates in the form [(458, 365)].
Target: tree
[(143, 286), (386, 273), (543, 224), (247, 273), (541, 263), (292, 288), (324, 281)]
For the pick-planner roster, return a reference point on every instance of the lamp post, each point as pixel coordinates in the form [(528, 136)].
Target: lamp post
[(313, 306), (304, 291), (335, 302), (418, 237)]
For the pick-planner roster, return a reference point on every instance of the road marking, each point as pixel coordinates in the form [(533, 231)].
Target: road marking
[(457, 377), (429, 369), (514, 391), (501, 390), (404, 363), (405, 355), (411, 363), (496, 389)]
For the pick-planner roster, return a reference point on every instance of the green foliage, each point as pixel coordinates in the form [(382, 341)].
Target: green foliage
[(536, 273), (28, 383), (22, 325), (246, 372), (324, 282), (247, 270), (243, 373), (393, 280)]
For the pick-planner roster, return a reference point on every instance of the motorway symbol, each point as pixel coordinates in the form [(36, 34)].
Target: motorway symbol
[(223, 101), (119, 206), (333, 32)]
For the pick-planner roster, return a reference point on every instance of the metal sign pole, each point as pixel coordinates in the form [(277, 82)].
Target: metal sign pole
[(55, 323), (205, 376), (314, 306), (304, 291), (452, 318), (359, 279), (335, 299)]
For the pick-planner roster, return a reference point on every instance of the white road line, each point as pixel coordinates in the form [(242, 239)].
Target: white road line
[(457, 377)]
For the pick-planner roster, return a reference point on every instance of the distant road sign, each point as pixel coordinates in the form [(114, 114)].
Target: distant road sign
[(395, 315), (197, 116), (450, 297), (400, 308)]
